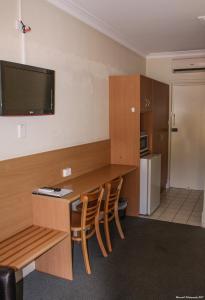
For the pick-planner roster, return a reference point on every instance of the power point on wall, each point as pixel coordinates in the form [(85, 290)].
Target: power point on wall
[(21, 131), (66, 172)]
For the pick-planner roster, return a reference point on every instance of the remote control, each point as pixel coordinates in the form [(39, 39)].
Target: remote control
[(46, 190)]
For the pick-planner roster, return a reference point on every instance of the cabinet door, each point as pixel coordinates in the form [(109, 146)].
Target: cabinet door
[(160, 126), (124, 119), (125, 133), (145, 94)]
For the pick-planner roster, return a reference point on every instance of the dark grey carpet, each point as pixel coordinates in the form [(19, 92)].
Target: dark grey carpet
[(157, 260)]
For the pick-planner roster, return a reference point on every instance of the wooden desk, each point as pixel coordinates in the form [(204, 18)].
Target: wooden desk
[(91, 180), (55, 213)]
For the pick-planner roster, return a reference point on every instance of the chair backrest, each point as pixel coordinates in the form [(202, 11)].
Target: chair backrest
[(91, 207), (113, 189)]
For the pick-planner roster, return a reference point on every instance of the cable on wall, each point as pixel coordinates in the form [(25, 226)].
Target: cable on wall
[(23, 29)]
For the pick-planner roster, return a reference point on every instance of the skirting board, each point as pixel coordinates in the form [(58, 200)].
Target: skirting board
[(25, 271)]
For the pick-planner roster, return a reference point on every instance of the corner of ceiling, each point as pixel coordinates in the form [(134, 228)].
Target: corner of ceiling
[(83, 15), (80, 13)]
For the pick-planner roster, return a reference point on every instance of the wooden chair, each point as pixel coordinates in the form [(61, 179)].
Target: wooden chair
[(85, 223), (109, 208)]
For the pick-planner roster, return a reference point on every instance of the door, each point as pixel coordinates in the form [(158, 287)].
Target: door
[(188, 136)]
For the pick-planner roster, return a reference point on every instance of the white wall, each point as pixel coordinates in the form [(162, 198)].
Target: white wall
[(83, 59)]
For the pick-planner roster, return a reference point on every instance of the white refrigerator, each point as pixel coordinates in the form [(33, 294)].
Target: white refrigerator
[(150, 177)]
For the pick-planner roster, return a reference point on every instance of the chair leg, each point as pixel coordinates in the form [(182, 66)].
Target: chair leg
[(117, 222), (85, 253), (99, 238), (107, 233)]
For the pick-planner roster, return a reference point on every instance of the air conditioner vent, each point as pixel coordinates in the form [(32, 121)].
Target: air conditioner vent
[(188, 65)]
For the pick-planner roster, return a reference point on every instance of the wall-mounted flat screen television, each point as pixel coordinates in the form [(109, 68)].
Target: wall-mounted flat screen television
[(26, 90)]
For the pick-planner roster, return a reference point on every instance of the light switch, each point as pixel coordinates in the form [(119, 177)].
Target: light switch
[(21, 131)]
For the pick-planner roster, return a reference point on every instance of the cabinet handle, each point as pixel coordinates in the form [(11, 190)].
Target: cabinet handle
[(173, 119)]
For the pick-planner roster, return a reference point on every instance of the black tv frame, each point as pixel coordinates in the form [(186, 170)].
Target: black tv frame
[(3, 64)]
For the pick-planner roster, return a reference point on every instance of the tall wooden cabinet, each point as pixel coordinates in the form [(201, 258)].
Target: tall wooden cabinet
[(160, 126), (137, 103), (125, 132), (155, 123)]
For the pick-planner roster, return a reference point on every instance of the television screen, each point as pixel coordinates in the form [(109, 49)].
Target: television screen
[(25, 90)]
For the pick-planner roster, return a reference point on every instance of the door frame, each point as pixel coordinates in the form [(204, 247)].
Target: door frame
[(176, 83)]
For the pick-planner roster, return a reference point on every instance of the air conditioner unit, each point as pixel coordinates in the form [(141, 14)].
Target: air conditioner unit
[(188, 65)]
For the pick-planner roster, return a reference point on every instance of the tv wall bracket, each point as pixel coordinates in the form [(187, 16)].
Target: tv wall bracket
[(23, 28)]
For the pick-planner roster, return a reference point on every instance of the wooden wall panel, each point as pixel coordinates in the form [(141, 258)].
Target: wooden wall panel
[(19, 176)]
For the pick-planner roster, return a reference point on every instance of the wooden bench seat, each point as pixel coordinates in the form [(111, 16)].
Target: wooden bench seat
[(22, 248)]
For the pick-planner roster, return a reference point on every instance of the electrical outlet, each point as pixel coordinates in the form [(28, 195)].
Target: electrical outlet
[(66, 172)]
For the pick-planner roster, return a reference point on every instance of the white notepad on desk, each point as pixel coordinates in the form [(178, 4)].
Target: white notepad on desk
[(52, 193)]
